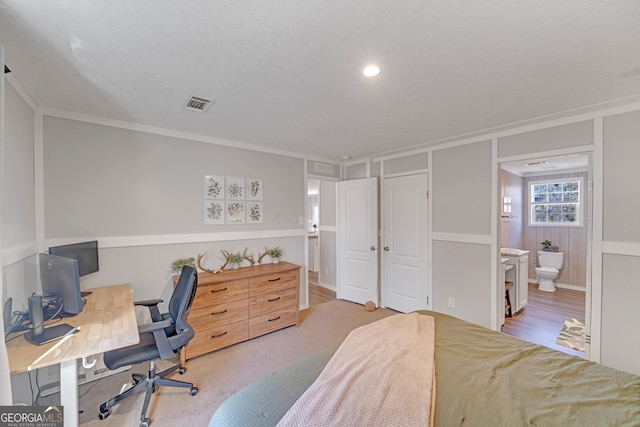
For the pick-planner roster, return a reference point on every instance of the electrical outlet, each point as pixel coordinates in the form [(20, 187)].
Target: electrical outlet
[(452, 302), (300, 220)]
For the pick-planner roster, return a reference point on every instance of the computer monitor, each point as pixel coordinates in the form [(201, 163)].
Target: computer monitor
[(60, 277), (85, 252)]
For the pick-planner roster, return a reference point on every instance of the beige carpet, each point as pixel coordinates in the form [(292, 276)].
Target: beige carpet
[(220, 374)]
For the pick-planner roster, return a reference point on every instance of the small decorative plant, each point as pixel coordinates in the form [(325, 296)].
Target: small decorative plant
[(176, 266), (236, 259), (275, 253), (546, 245)]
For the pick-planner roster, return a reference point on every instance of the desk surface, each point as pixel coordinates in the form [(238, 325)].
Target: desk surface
[(107, 322)]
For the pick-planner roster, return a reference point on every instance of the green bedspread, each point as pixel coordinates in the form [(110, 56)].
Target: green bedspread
[(483, 378)]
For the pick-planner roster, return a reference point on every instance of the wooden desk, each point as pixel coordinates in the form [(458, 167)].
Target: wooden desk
[(107, 322)]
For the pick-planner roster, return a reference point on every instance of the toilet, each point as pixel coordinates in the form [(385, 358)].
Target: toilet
[(550, 264)]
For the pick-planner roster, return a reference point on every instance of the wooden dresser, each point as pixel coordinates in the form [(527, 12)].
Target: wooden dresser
[(237, 305)]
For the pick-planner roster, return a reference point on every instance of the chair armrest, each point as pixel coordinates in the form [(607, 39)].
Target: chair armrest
[(152, 305), (150, 327), (148, 302), (162, 341)]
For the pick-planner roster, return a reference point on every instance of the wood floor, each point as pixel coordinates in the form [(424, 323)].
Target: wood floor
[(318, 294), (542, 319), (539, 322)]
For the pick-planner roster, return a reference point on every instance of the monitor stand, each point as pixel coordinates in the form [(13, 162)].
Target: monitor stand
[(49, 334)]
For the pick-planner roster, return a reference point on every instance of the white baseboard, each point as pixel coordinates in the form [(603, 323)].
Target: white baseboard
[(331, 288), (564, 286)]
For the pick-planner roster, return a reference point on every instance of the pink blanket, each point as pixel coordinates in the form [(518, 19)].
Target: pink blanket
[(382, 375)]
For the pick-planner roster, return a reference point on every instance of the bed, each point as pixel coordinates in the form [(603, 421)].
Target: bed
[(483, 378)]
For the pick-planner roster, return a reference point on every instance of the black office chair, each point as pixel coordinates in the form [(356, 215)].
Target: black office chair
[(159, 340)]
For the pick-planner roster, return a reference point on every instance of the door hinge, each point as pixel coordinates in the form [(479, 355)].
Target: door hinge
[(427, 194)]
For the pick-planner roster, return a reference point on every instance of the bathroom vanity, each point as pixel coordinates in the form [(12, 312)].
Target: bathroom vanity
[(518, 275)]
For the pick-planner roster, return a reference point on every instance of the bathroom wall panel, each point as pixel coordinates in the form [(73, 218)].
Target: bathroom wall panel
[(572, 241)]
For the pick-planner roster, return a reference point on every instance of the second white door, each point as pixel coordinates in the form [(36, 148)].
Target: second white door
[(405, 260)]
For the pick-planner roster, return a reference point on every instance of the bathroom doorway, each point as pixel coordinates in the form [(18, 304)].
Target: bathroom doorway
[(322, 239), (523, 226)]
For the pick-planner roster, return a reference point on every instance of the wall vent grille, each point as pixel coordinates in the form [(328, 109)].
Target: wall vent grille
[(200, 105)]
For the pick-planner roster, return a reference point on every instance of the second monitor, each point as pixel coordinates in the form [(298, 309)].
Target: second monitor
[(60, 277)]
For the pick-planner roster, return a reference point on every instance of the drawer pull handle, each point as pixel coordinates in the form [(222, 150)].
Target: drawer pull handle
[(219, 312), (219, 335), (219, 290), (273, 280), (273, 299), (274, 319)]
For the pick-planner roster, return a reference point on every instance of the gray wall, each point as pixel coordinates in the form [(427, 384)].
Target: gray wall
[(18, 240), (18, 213), (621, 269), (552, 138), (461, 206), (328, 221), (462, 189), (106, 181)]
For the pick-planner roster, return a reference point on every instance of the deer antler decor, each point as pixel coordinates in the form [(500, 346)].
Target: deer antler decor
[(220, 270), (248, 257), (260, 256)]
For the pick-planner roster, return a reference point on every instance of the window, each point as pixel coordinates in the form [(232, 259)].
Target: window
[(556, 202)]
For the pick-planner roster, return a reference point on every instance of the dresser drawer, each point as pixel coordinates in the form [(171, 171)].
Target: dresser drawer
[(219, 314), (273, 282), (270, 322), (217, 293), (272, 301), (216, 337)]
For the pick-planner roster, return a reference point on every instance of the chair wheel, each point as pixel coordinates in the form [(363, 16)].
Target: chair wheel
[(182, 370), (104, 414), (145, 423), (193, 391)]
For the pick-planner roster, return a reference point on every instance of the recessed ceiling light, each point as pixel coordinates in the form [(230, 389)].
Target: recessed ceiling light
[(371, 71)]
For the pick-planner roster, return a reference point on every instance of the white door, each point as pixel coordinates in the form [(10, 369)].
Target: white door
[(405, 285), (357, 279)]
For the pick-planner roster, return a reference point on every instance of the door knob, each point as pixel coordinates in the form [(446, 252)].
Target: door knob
[(386, 248), (373, 248)]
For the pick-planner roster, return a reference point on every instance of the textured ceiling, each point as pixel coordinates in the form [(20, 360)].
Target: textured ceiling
[(287, 74)]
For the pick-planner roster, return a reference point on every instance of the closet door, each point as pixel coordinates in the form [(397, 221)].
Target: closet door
[(405, 243), (357, 279)]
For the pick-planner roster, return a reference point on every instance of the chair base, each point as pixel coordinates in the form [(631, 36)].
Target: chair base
[(148, 384)]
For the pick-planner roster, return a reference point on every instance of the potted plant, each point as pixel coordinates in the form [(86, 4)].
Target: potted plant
[(176, 266), (546, 245), (236, 259), (275, 254)]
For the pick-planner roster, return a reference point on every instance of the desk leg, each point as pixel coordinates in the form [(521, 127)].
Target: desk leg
[(69, 392)]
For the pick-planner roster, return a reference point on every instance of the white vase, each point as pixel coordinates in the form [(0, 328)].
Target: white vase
[(276, 260)]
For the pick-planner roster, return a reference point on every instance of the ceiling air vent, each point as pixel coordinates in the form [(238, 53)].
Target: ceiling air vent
[(200, 105)]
